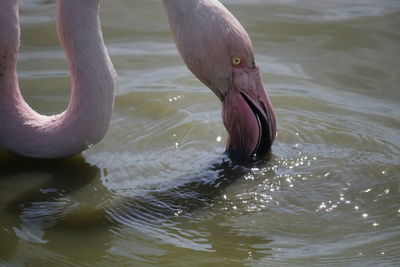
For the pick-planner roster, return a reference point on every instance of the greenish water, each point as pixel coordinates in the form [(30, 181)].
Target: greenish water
[(158, 190)]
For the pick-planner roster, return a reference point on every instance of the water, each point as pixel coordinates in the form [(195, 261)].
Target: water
[(158, 189)]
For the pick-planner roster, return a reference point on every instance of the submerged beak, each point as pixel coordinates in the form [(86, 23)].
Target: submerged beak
[(248, 116)]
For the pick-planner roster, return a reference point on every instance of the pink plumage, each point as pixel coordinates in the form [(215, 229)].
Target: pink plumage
[(211, 41), (25, 132)]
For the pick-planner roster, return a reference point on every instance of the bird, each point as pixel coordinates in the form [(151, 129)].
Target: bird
[(218, 51), (23, 131), (211, 41)]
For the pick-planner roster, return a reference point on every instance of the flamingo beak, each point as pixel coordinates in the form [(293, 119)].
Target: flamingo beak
[(248, 116)]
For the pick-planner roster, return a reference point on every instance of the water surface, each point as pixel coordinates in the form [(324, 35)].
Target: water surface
[(158, 189)]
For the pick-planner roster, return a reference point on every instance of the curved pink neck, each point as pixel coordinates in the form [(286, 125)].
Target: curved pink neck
[(86, 120)]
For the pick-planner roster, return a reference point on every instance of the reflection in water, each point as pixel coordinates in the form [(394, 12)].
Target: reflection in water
[(173, 215), (67, 175), (193, 193), (44, 198), (52, 207)]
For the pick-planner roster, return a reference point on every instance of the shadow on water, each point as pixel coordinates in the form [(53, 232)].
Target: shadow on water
[(49, 205), (37, 198), (67, 175), (193, 193)]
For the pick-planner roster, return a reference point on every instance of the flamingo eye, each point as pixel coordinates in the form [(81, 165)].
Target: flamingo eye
[(236, 61)]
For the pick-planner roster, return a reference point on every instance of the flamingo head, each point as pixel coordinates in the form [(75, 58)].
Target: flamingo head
[(219, 52), (247, 112)]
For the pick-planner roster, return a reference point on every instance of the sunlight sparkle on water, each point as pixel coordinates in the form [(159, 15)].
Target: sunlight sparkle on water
[(249, 177), (175, 98), (387, 191)]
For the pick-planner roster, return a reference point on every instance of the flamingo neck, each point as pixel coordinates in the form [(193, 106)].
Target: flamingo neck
[(25, 132)]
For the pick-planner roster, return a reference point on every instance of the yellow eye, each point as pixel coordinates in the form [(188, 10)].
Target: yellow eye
[(236, 61)]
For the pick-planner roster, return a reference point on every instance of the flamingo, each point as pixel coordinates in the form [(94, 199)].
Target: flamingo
[(211, 41), (219, 52), (86, 119)]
